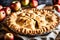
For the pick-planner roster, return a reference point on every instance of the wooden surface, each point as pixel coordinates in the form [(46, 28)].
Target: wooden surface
[(58, 37)]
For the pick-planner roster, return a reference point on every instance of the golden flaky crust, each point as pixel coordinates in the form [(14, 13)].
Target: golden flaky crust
[(32, 21)]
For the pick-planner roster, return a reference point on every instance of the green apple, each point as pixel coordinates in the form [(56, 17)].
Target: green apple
[(25, 2)]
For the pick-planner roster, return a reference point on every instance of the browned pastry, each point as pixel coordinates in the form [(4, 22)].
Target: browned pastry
[(32, 21), (48, 7)]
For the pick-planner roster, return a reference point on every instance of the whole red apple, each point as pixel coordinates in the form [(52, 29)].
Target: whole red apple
[(2, 15), (34, 3), (1, 7), (15, 6), (59, 2), (9, 36), (7, 10), (59, 8)]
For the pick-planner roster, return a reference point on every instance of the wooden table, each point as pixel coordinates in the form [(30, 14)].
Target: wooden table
[(58, 37)]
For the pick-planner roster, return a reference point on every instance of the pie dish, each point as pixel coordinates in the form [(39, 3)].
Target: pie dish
[(32, 21)]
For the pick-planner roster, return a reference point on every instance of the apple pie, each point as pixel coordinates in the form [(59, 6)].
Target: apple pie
[(33, 21)]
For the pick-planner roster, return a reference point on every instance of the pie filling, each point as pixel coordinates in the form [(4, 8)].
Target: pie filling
[(32, 21)]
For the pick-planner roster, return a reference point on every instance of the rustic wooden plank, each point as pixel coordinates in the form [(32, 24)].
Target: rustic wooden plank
[(58, 37)]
